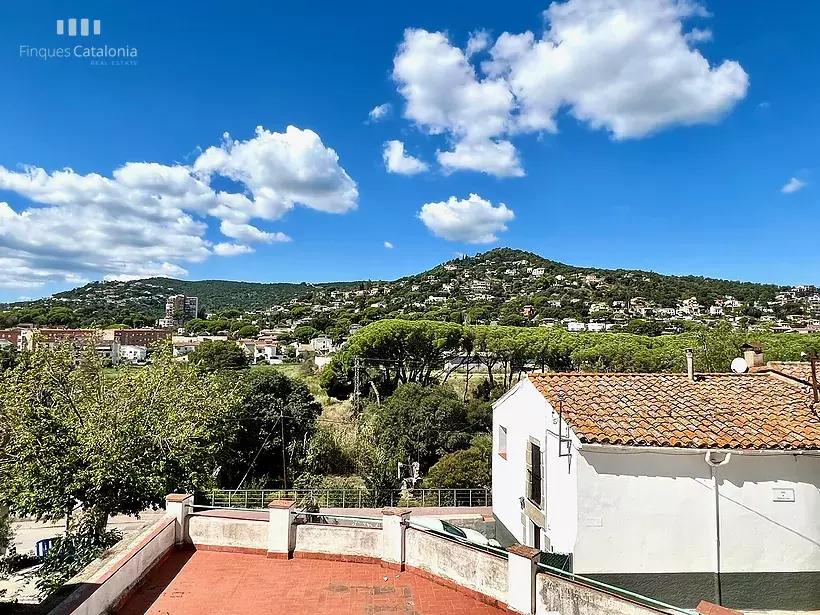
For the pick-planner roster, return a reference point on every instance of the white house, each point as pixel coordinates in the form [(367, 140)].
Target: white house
[(322, 344), (678, 486), (133, 354)]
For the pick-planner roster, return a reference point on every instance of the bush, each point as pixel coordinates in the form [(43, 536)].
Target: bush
[(72, 552), (214, 356), (470, 468)]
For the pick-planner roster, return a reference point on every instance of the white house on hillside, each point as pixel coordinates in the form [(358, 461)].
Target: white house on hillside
[(682, 487)]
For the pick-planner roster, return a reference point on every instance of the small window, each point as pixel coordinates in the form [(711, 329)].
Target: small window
[(502, 442)]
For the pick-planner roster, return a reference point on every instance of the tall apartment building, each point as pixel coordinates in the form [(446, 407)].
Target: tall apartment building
[(178, 309)]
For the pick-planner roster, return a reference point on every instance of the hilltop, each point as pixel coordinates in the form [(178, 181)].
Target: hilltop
[(503, 285)]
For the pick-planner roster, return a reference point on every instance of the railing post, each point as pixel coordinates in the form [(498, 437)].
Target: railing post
[(281, 529), (179, 506), (471, 498), (521, 575), (394, 528)]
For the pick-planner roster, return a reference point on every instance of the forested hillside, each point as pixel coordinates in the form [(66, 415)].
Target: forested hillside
[(504, 286)]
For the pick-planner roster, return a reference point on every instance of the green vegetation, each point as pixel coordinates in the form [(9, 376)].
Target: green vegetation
[(505, 285), (218, 355), (393, 352), (85, 443), (467, 468)]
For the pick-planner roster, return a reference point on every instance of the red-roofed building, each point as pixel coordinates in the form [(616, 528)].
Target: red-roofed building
[(12, 337), (677, 486)]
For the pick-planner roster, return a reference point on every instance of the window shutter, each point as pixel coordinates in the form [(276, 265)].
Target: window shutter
[(528, 483)]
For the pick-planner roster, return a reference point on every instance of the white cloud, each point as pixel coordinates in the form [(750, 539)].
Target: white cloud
[(397, 161), (472, 220), (697, 35), (493, 157), (282, 170), (793, 185), (149, 219), (478, 41), (388, 245), (379, 111), (625, 66), (249, 233), (232, 249)]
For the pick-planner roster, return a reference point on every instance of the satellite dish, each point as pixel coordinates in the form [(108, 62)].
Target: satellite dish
[(739, 366)]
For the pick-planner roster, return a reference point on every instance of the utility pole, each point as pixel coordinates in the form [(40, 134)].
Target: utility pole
[(357, 392), (284, 457)]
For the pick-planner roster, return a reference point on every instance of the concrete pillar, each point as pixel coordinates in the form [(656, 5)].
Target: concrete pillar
[(521, 573), (281, 529), (179, 506), (394, 526)]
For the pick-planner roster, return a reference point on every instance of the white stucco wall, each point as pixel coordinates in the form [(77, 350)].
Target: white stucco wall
[(461, 564), (214, 531), (526, 414), (642, 511), (759, 534), (116, 579), (340, 540)]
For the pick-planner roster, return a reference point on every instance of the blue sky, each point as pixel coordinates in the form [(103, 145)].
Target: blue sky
[(645, 134)]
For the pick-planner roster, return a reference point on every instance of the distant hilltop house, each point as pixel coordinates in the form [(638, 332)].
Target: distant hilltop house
[(677, 486)]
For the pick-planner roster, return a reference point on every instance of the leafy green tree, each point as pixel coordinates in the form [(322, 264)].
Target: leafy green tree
[(71, 436), (248, 331), (273, 406), (8, 356), (418, 423), (218, 355), (468, 468), (304, 333)]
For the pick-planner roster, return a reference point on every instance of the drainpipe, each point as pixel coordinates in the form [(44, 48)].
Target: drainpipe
[(715, 463)]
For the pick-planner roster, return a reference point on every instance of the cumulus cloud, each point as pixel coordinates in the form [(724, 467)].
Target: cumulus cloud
[(472, 220), (396, 160), (388, 245), (249, 233), (793, 185), (379, 111), (478, 41), (282, 170), (629, 67), (232, 249), (149, 219), (498, 158)]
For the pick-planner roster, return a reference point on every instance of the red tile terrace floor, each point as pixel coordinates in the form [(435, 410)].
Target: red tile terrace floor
[(210, 582)]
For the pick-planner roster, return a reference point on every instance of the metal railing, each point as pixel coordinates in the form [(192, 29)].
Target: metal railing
[(351, 498), (618, 591)]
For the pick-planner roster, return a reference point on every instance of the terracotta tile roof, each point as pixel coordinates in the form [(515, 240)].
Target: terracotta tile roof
[(797, 370), (736, 411)]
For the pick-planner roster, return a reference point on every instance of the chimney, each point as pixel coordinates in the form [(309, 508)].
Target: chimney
[(690, 364), (753, 355)]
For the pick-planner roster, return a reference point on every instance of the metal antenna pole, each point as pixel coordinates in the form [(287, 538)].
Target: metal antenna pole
[(356, 382), (813, 361)]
